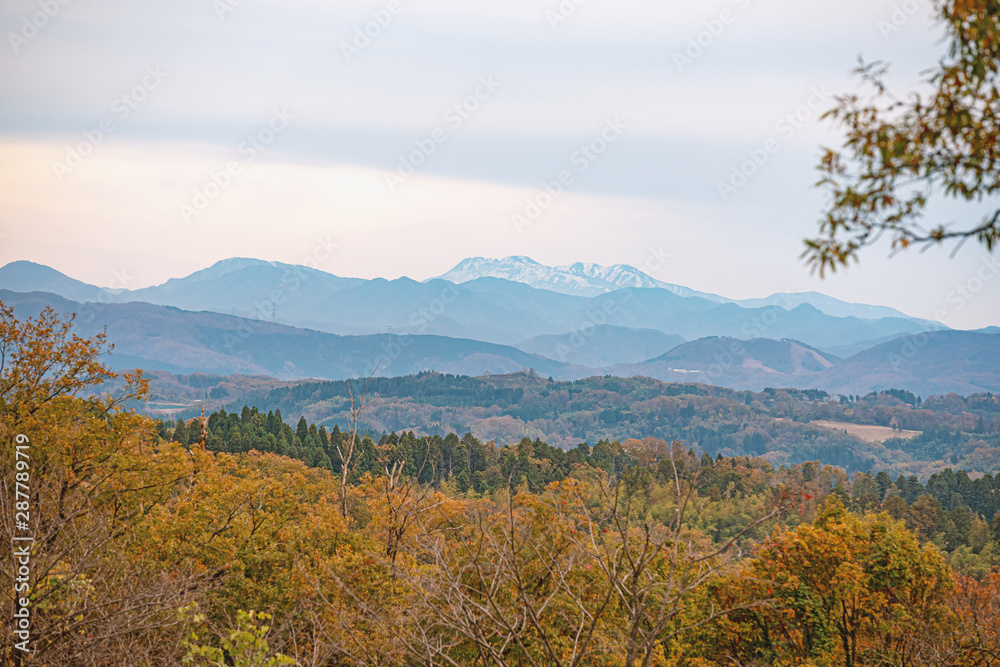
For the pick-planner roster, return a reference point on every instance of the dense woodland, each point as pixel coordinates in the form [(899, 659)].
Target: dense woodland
[(239, 540), (944, 510), (957, 432)]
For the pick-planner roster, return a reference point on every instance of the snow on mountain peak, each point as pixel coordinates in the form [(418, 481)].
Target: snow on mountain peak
[(579, 279)]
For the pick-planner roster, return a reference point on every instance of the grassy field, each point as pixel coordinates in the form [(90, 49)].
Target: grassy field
[(867, 432)]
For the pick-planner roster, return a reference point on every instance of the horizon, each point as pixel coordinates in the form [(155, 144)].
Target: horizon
[(111, 287)]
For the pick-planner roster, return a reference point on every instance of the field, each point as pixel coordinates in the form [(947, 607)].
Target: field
[(866, 432)]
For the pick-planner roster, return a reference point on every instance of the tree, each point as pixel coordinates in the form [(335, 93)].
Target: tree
[(93, 474), (460, 468), (846, 590), (181, 432), (347, 449), (579, 574), (245, 645), (900, 154)]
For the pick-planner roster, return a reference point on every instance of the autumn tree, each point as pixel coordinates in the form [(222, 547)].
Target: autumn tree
[(93, 473), (347, 449), (845, 589), (579, 574), (898, 154)]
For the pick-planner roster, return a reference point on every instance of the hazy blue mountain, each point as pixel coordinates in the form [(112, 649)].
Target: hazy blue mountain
[(245, 287), (593, 279), (580, 279), (600, 346), (24, 276), (730, 362), (938, 362), (850, 349), (166, 338), (489, 309), (823, 303)]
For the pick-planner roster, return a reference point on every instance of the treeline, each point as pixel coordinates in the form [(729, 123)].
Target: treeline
[(773, 423), (470, 463), (951, 509)]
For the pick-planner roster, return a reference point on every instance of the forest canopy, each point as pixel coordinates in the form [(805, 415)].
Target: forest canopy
[(152, 545)]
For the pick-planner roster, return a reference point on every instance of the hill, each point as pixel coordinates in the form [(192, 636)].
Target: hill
[(773, 424), (24, 276), (166, 338), (941, 362), (602, 346), (184, 342), (743, 364), (251, 287), (936, 362)]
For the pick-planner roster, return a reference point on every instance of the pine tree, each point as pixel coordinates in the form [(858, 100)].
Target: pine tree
[(181, 432), (460, 468)]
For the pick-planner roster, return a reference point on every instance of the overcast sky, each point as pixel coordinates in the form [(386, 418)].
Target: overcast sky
[(142, 140)]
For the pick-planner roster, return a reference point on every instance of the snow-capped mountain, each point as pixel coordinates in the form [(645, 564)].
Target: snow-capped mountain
[(580, 279), (584, 279)]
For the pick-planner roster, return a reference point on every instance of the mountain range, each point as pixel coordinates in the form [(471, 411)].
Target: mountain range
[(498, 316), (156, 337), (582, 279), (508, 302)]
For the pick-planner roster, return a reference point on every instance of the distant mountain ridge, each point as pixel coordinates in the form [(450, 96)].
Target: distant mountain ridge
[(741, 364), (167, 338), (582, 279), (24, 276), (602, 346), (937, 362), (579, 279), (490, 309)]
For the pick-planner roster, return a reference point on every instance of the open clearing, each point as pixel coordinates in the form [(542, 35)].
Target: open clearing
[(867, 432)]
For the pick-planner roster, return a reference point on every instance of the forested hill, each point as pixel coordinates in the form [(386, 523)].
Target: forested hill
[(774, 424), (468, 465)]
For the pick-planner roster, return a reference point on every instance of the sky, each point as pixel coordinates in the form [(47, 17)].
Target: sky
[(142, 141)]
